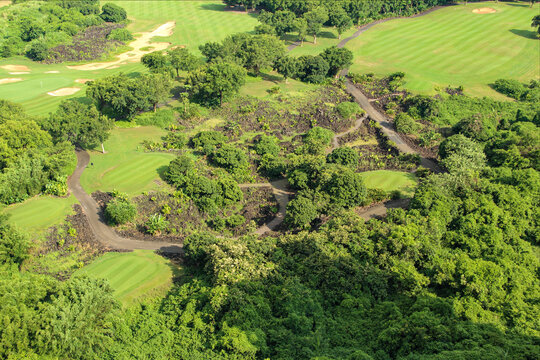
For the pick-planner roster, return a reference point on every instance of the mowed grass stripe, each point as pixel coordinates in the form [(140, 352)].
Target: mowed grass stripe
[(453, 47)]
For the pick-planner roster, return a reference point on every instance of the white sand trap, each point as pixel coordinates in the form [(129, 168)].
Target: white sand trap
[(52, 72), (15, 68), (83, 81), (9, 80), (64, 91), (136, 53), (485, 10), (19, 72)]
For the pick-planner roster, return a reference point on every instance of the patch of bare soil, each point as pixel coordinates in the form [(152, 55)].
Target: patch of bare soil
[(75, 237), (484, 10), (15, 68), (64, 91), (83, 81), (19, 73), (9, 80), (136, 53)]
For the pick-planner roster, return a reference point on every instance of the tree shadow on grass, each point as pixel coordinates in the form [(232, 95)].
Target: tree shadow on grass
[(161, 172), (271, 77), (524, 33), (223, 8)]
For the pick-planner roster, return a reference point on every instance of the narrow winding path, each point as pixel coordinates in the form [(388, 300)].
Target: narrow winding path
[(104, 233)]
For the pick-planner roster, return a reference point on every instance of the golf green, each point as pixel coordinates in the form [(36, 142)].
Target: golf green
[(454, 46), (133, 276), (389, 181)]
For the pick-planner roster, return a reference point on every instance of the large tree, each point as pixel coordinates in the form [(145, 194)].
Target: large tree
[(338, 59), (182, 59), (315, 20), (78, 123), (216, 81)]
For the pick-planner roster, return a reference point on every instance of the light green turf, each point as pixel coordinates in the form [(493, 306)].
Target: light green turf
[(197, 22), (390, 180), (454, 46), (258, 86), (126, 166), (134, 276), (32, 91), (40, 212)]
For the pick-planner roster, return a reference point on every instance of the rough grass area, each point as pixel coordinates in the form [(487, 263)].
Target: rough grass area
[(454, 46), (197, 22), (134, 276), (390, 181), (126, 166), (265, 86), (328, 37), (40, 212)]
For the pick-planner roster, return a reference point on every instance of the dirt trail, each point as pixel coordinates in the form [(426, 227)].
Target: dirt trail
[(380, 210), (103, 233), (136, 54)]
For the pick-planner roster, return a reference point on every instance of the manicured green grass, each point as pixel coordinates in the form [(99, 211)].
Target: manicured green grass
[(40, 212), (259, 86), (327, 38), (126, 166), (134, 276), (197, 22), (454, 46), (390, 180), (32, 91)]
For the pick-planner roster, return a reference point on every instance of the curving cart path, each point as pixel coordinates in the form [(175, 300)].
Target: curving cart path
[(104, 233)]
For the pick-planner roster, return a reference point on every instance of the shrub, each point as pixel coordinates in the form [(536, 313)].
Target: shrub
[(509, 87), (345, 187), (120, 211), (175, 140), (235, 220), (156, 224), (272, 166), (348, 109), (113, 13), (230, 158), (405, 124), (317, 139), (38, 51), (301, 212), (267, 145), (207, 141), (121, 34), (344, 156), (178, 170)]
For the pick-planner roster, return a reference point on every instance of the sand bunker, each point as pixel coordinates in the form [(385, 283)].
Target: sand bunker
[(83, 81), (484, 11), (135, 54), (64, 91), (9, 80), (52, 72), (15, 68), (19, 72)]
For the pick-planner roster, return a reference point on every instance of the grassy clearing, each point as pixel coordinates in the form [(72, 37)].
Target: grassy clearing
[(327, 38), (259, 86), (454, 46), (197, 22), (39, 213), (126, 166), (134, 276), (388, 180)]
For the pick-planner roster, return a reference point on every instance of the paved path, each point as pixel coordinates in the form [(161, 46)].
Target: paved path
[(105, 234), (380, 210)]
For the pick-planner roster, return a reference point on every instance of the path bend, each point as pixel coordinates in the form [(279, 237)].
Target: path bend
[(104, 233)]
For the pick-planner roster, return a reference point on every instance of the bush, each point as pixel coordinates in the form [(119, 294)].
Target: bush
[(156, 224), (301, 212), (113, 13), (272, 166), (230, 158), (345, 187), (207, 141), (509, 87), (405, 124), (348, 109), (235, 220), (175, 140), (317, 139), (120, 211), (38, 51), (267, 145), (121, 34), (344, 156)]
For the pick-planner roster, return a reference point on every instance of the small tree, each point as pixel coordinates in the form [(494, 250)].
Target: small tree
[(182, 59), (315, 20), (216, 81), (113, 13), (337, 59), (287, 66), (155, 61), (340, 20), (405, 124), (301, 28), (344, 156), (301, 212)]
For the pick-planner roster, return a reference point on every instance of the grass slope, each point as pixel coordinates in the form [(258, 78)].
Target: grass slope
[(390, 181), (454, 46), (125, 166), (133, 276), (40, 212), (197, 22)]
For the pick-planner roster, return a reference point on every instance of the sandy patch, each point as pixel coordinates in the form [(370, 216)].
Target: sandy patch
[(5, 3), (83, 81), (114, 67), (64, 91), (15, 68), (9, 80), (484, 11), (52, 72), (19, 72), (136, 53)]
